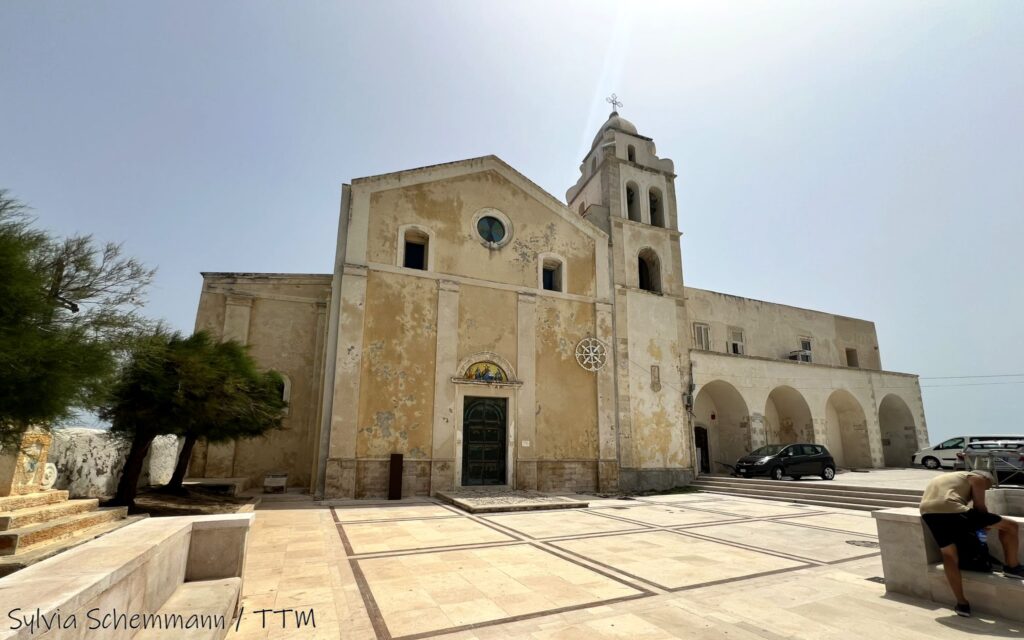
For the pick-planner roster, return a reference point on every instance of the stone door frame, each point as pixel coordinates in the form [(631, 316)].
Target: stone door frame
[(473, 389)]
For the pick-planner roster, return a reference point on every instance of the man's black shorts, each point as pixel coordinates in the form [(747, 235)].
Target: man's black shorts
[(950, 527)]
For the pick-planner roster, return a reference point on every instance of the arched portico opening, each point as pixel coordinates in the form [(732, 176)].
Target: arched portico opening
[(720, 410), (899, 431), (787, 418), (847, 430)]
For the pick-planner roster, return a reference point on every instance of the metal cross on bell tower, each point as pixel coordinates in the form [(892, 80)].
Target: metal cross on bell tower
[(614, 101)]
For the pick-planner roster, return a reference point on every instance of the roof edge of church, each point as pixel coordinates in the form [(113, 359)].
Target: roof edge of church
[(258, 274), (777, 304), (483, 159), (389, 174)]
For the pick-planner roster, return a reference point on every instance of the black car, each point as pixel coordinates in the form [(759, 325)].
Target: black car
[(793, 460)]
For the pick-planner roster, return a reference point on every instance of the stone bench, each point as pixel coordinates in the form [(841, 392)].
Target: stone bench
[(180, 566), (912, 565)]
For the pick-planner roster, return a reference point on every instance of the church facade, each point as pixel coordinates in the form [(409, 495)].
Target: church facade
[(497, 336)]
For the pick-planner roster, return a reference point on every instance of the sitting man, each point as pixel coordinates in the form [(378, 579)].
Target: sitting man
[(953, 506)]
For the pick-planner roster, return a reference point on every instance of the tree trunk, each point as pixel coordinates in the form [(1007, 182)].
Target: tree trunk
[(129, 483), (183, 459)]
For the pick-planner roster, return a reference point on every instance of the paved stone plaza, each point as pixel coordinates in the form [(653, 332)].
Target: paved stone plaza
[(676, 566)]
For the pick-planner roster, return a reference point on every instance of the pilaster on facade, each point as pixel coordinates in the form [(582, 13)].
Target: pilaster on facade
[(341, 450), (445, 420), (526, 360)]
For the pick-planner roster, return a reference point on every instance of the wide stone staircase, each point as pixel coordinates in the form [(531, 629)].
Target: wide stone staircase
[(37, 525), (832, 494)]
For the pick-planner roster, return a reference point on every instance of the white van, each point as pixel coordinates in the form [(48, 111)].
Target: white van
[(944, 453)]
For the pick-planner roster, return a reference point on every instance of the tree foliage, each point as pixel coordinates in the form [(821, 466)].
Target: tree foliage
[(193, 387), (68, 308)]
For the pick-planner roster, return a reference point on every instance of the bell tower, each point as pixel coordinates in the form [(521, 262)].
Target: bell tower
[(628, 191)]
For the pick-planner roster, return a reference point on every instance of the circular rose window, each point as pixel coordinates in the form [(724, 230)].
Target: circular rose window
[(591, 354), (491, 229)]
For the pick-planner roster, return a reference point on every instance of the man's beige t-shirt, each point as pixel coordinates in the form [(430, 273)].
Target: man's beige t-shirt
[(948, 493)]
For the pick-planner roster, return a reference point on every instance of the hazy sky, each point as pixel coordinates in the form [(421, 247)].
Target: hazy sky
[(862, 158)]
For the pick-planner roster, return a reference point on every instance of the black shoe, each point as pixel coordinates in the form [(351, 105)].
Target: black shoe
[(1014, 572), (963, 610)]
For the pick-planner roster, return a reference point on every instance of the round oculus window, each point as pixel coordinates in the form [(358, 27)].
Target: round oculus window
[(491, 229)]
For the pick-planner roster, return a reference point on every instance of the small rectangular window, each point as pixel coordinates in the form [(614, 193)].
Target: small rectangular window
[(551, 276), (736, 345), (851, 358), (804, 353), (415, 255), (549, 279), (701, 336)]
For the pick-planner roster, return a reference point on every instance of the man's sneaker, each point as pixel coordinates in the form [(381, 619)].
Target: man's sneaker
[(1014, 572), (963, 610)]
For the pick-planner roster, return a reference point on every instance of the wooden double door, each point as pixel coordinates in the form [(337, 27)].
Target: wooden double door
[(484, 441)]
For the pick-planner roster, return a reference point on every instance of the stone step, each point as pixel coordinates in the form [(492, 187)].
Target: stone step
[(42, 513), (800, 489), (216, 598), (990, 593), (23, 539), (13, 503), (821, 501), (10, 564), (810, 486)]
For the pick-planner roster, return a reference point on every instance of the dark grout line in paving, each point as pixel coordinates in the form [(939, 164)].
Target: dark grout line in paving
[(739, 545), (820, 528)]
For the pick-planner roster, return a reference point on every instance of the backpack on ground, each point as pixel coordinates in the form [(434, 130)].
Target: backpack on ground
[(972, 554)]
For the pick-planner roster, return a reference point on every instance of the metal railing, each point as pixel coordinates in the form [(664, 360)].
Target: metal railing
[(1004, 464)]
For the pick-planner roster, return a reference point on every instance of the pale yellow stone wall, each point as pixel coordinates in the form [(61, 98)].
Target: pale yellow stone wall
[(397, 388), (566, 394), (487, 322), (447, 207), (282, 318), (774, 330), (660, 439)]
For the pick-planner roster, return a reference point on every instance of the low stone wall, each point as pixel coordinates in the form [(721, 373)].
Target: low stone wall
[(89, 462), (1007, 502), (136, 571)]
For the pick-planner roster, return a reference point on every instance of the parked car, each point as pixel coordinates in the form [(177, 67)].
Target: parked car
[(1004, 457), (1009, 452), (944, 453), (794, 460)]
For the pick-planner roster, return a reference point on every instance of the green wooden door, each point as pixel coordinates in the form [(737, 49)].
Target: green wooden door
[(484, 441)]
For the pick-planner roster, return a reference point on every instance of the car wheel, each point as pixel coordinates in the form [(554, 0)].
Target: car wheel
[(828, 473), (777, 473), (931, 463)]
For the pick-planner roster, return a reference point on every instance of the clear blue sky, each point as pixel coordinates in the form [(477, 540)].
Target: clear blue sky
[(864, 158)]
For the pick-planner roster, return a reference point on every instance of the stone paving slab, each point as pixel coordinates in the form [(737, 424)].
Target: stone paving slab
[(752, 576), (497, 500)]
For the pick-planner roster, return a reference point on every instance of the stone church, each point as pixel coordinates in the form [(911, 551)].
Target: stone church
[(496, 335)]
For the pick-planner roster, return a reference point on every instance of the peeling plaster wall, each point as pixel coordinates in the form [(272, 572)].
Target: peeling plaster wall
[(397, 390), (773, 330), (661, 437), (566, 393), (447, 207), (89, 463), (487, 322)]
